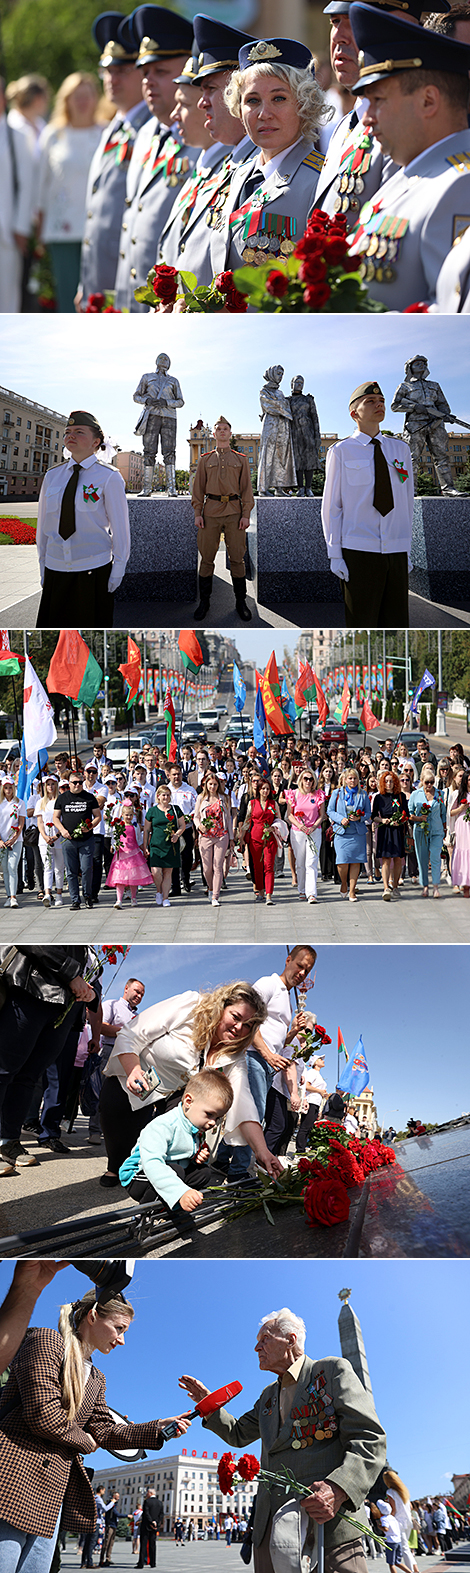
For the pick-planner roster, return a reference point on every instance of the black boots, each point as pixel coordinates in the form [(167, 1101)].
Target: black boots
[(243, 610), (205, 591)]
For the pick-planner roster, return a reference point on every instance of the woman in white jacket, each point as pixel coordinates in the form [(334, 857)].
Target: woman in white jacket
[(66, 149)]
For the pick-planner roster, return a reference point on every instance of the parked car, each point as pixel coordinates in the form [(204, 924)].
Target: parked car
[(9, 750), (117, 748), (210, 719)]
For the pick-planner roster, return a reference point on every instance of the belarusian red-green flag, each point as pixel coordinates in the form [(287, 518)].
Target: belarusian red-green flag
[(191, 653), (131, 671), (368, 719), (272, 676), (342, 1046), (169, 717), (74, 671), (345, 701), (279, 723), (10, 663)]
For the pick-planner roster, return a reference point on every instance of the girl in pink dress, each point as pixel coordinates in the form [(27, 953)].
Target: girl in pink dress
[(128, 866), (461, 854)]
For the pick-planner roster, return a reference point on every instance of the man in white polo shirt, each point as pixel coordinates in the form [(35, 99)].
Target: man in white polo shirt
[(116, 1014)]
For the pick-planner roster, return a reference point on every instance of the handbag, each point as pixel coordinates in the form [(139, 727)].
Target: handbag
[(247, 1542)]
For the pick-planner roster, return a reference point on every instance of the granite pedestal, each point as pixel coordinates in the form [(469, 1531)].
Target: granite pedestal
[(293, 563), (163, 560)]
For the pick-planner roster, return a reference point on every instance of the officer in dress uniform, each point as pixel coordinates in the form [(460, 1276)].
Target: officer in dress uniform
[(404, 233), (186, 239), (108, 169), (83, 536), (159, 163), (367, 516), (222, 500), (453, 284), (355, 165), (272, 194)]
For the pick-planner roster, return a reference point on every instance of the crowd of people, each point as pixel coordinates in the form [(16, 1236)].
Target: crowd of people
[(321, 814), (213, 153)]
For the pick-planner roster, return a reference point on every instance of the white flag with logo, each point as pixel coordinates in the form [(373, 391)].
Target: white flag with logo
[(38, 715)]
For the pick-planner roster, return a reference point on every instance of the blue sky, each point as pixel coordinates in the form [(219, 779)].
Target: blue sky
[(80, 362), (409, 1003), (202, 1318)]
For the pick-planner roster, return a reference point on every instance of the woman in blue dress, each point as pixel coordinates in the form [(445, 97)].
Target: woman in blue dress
[(350, 813), (428, 828)]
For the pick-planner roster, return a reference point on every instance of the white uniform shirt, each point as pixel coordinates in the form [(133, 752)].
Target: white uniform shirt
[(102, 531), (348, 514), (184, 798), (277, 998), (163, 1037)]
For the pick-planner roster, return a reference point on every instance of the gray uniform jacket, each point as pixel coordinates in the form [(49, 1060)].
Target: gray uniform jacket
[(187, 245), (380, 169), (290, 191), (453, 284), (433, 200), (149, 199), (351, 1457), (105, 197)]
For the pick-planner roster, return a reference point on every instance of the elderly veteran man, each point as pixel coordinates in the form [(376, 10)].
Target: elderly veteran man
[(186, 238), (367, 516), (106, 189), (319, 1421), (417, 85), (159, 163), (222, 500)]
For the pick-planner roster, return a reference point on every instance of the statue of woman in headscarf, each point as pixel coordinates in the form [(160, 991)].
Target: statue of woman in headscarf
[(276, 470)]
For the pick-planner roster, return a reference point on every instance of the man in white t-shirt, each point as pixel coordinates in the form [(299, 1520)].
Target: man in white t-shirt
[(115, 1014), (267, 1054)]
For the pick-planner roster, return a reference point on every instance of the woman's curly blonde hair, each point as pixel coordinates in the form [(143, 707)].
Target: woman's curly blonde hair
[(210, 1008), (313, 108)]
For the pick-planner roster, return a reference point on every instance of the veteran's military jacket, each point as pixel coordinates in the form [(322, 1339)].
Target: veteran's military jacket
[(453, 284), (159, 165), (405, 232), (274, 217), (105, 198), (332, 1433), (354, 169), (186, 239)]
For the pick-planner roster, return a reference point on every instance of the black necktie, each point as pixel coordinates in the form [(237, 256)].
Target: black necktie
[(249, 186), (354, 120), (67, 523), (383, 495)]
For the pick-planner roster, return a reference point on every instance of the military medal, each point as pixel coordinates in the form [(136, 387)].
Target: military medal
[(296, 1442), (355, 162)]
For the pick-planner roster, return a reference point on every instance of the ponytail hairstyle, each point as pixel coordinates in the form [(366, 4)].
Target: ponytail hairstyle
[(72, 1377), (393, 1483)]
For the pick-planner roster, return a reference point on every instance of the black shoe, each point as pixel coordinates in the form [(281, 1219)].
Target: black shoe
[(88, 903), (186, 888), (75, 906), (243, 610), (109, 1180), (205, 592), (54, 1143), (34, 1126)]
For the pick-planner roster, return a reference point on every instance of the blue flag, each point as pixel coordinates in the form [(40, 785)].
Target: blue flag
[(259, 727), (240, 689), (27, 773), (355, 1075), (287, 703), (426, 682)]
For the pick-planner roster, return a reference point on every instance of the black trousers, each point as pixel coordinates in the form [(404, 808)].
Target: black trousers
[(58, 1079), (305, 1126), (85, 597), (121, 1125), (279, 1122), (148, 1538), (30, 1042), (376, 595)]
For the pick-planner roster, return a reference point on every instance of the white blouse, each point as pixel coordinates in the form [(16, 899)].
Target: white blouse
[(65, 157), (10, 814), (162, 1036)]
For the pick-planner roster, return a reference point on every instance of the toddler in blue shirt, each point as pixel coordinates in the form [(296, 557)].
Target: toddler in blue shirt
[(172, 1142)]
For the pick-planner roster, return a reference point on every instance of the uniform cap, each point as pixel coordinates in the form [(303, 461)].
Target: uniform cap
[(190, 70), (114, 35), (388, 45), (160, 33), (362, 391), (82, 418), (337, 8), (218, 45), (280, 51)]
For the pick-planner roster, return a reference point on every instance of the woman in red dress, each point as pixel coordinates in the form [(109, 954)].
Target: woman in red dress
[(262, 843)]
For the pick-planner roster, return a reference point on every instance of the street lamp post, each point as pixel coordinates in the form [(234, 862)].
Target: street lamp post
[(441, 730)]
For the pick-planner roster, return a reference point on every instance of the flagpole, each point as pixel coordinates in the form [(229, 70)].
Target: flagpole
[(128, 740), (67, 719), (16, 708), (182, 710), (73, 734), (40, 775)]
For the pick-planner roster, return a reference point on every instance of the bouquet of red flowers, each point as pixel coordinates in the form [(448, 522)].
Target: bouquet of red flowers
[(171, 825), (423, 817), (101, 304), (319, 275), (398, 815), (355, 813), (163, 285), (247, 1468), (83, 829), (119, 828)]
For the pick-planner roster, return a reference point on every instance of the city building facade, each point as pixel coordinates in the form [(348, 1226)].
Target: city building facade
[(187, 1485), (131, 467), (32, 438)]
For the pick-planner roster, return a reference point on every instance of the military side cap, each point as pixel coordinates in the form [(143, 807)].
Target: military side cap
[(114, 35), (362, 391), (190, 70), (218, 45), (276, 51), (83, 418), (388, 45), (160, 33)]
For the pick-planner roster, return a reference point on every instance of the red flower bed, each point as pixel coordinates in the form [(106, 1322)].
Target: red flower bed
[(19, 531)]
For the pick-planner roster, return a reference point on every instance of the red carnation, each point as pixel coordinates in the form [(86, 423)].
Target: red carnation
[(326, 1201), (165, 284), (277, 284), (226, 1471), (248, 1466)]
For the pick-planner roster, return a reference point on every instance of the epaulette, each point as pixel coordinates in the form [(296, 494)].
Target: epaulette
[(314, 160), (460, 161)]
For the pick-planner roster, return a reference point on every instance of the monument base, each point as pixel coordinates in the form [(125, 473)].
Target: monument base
[(163, 560), (439, 550)]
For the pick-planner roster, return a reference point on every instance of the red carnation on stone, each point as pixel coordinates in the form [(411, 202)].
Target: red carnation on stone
[(326, 1201)]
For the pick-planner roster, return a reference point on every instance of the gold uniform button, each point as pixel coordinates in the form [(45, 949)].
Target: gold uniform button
[(124, 227), (133, 241), (90, 214), (139, 210), (133, 273), (182, 245), (122, 253)]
